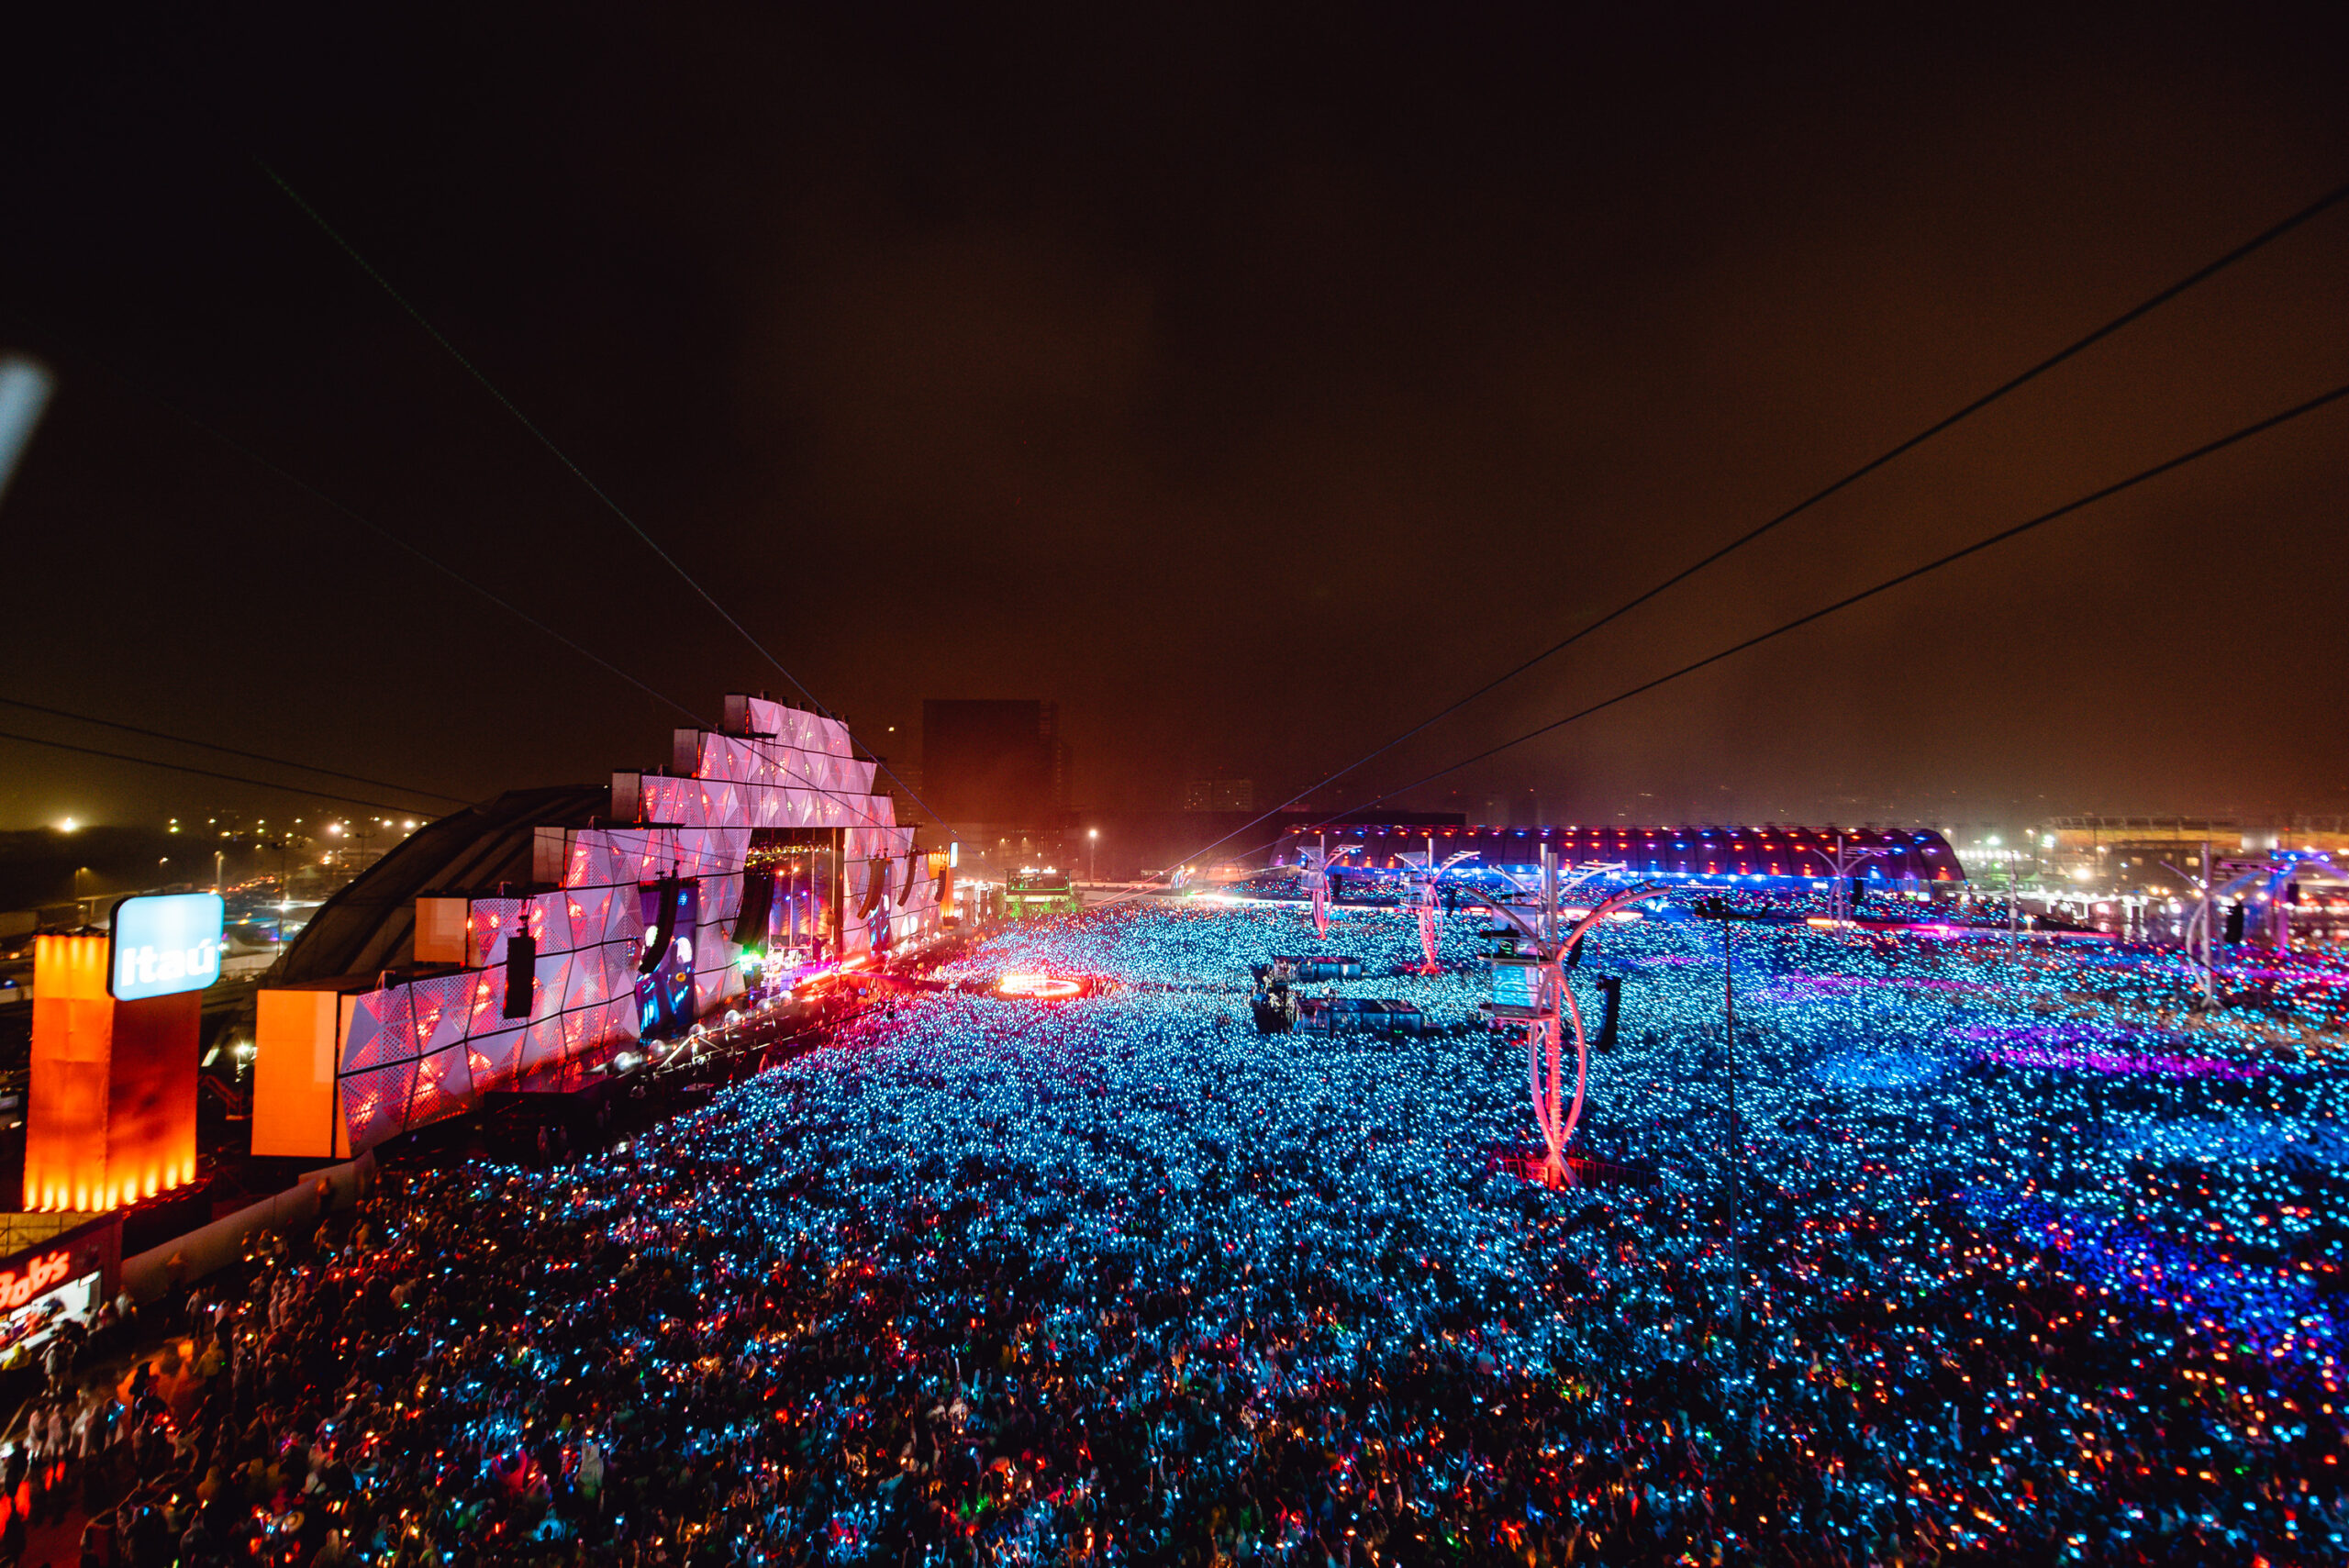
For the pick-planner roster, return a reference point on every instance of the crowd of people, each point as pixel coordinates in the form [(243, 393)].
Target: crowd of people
[(1119, 1279)]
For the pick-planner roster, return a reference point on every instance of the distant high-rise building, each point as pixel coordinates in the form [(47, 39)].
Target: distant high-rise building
[(1220, 795), (1000, 762)]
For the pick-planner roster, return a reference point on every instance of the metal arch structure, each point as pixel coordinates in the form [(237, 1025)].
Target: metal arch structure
[(1529, 930), (1426, 911), (1842, 868), (1557, 1009), (1557, 1131), (1554, 1007), (1322, 894), (1318, 874), (2268, 881), (1426, 908)]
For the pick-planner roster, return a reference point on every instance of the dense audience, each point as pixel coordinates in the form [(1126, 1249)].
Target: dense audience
[(2007, 1257)]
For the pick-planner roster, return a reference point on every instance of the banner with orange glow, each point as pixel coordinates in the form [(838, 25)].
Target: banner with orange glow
[(110, 1115)]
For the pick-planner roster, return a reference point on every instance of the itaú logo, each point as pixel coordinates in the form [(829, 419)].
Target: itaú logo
[(39, 1275), (165, 943), (159, 972)]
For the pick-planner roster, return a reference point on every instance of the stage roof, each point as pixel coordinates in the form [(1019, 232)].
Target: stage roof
[(370, 926)]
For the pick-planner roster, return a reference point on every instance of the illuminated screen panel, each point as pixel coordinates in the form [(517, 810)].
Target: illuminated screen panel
[(65, 1109), (165, 945), (804, 862), (151, 1096), (294, 1112), (1517, 984), (665, 998), (110, 1117)]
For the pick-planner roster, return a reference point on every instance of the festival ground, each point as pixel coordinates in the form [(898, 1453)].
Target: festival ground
[(2020, 1261)]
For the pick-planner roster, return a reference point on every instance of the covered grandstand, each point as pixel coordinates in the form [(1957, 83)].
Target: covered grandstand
[(1907, 859)]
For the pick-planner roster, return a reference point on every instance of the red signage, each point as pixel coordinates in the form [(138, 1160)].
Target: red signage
[(42, 1274)]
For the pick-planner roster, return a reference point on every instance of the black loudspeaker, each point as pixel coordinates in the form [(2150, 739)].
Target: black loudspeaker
[(2234, 923), (2292, 893), (664, 926), (1574, 959), (522, 975), (1859, 890), (758, 904), (1610, 988)]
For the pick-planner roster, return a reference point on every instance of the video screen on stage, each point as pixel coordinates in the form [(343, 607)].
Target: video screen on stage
[(664, 992)]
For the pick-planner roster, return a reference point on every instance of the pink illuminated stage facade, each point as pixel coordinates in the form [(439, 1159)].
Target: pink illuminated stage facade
[(626, 914)]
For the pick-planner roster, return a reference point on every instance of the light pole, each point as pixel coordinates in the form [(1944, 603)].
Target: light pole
[(1721, 913), (1093, 855), (2205, 918)]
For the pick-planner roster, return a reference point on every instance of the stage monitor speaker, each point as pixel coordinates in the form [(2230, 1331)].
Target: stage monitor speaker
[(877, 887), (758, 905), (1610, 988), (522, 975)]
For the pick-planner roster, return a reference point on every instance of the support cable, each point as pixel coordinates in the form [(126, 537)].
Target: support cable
[(610, 504), (2199, 275), (200, 773), (145, 388), (230, 750), (2167, 465), (2001, 537)]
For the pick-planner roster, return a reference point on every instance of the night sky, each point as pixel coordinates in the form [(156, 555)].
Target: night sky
[(1250, 384)]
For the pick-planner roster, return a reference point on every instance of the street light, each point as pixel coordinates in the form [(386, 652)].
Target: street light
[(1720, 912), (1093, 855)]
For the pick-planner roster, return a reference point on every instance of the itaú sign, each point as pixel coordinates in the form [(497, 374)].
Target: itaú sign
[(42, 1274), (164, 943)]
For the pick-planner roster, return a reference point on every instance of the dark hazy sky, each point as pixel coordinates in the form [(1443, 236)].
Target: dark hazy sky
[(1249, 381)]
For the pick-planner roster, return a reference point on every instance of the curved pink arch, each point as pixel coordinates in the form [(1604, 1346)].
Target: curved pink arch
[(1558, 1129)]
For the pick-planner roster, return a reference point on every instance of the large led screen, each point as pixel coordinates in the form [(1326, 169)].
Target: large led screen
[(164, 944)]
